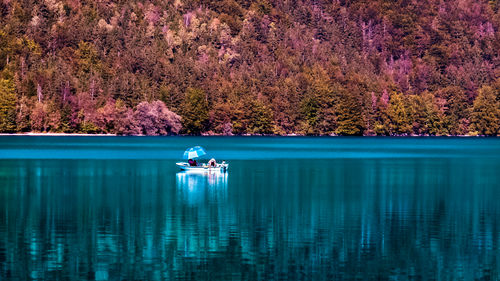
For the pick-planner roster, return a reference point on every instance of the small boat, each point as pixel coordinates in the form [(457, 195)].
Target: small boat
[(210, 167), (204, 168)]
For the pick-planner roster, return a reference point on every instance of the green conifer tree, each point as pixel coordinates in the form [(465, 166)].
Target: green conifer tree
[(7, 106), (194, 114), (457, 108), (435, 120), (399, 115), (426, 119), (310, 111), (485, 116), (261, 119), (349, 117)]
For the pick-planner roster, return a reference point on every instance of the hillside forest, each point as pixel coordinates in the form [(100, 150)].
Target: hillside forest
[(312, 67)]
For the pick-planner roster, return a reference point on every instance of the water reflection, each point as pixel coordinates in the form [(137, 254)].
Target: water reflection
[(194, 188), (317, 220), (203, 201)]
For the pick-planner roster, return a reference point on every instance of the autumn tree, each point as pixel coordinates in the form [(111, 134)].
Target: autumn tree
[(485, 115), (195, 112), (155, 119), (426, 117), (89, 68), (399, 115), (456, 112), (125, 122), (382, 120), (45, 117), (318, 105), (207, 62), (220, 118), (260, 118), (310, 108), (350, 119), (239, 117), (7, 105), (23, 114)]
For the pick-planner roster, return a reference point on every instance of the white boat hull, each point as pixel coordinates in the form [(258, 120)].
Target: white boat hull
[(219, 168)]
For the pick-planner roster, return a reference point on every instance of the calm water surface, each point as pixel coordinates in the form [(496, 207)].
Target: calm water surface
[(117, 208)]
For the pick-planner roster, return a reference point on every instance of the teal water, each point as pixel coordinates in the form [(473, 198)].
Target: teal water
[(296, 208)]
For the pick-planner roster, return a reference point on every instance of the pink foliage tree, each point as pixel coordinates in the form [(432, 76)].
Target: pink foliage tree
[(156, 119)]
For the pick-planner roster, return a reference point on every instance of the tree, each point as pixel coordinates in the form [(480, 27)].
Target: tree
[(399, 115), (485, 116), (7, 106), (155, 119), (349, 117), (45, 117), (260, 118), (39, 117), (220, 118), (426, 117), (194, 114), (296, 57), (89, 67), (310, 110), (318, 104), (239, 117), (125, 121), (457, 108), (23, 114), (382, 120), (106, 117)]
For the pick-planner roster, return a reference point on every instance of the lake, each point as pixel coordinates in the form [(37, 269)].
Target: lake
[(296, 208)]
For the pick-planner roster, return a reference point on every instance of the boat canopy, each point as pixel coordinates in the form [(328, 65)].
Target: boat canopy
[(194, 152)]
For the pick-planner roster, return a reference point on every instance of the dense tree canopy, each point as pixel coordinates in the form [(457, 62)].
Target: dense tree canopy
[(379, 67)]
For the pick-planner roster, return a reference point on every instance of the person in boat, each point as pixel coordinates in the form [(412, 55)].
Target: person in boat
[(192, 162), (212, 163)]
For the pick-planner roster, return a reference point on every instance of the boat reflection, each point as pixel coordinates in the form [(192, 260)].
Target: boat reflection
[(204, 215), (195, 188)]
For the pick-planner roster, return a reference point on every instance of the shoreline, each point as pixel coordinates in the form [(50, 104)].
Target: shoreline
[(221, 135), (57, 134)]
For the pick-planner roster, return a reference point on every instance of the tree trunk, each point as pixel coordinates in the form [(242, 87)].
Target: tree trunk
[(39, 92), (65, 91)]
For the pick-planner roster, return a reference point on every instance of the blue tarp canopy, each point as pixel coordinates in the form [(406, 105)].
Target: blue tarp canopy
[(194, 152)]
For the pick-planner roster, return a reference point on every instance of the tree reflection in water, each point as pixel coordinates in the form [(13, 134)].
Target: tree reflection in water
[(342, 219)]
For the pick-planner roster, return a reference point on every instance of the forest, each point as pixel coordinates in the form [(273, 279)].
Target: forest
[(308, 67)]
